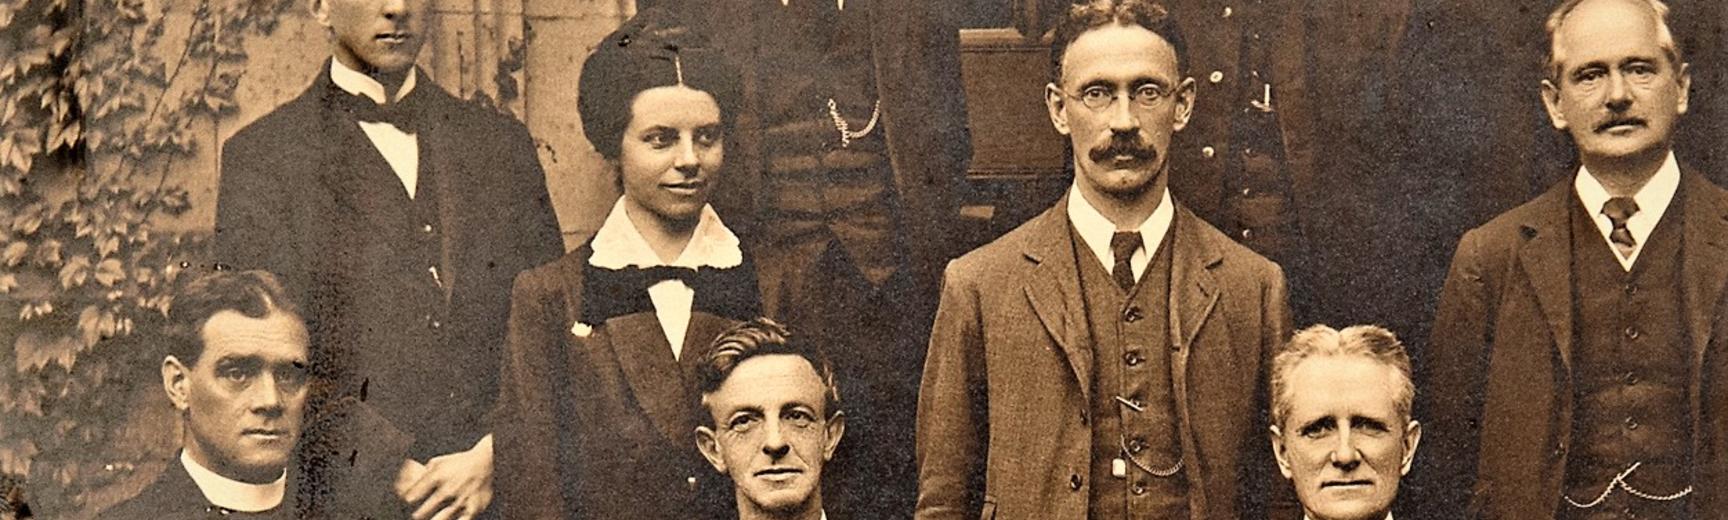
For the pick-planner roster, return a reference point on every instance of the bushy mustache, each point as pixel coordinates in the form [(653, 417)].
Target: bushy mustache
[(1124, 145)]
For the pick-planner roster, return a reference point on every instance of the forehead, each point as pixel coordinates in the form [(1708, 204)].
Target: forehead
[(1118, 53), (1607, 31), (277, 337), (1322, 386), (769, 382), (674, 106)]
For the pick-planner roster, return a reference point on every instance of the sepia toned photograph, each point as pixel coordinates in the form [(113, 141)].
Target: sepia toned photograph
[(863, 259)]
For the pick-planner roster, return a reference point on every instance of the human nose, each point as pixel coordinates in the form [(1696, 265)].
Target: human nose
[(1344, 454), (1121, 113), (1619, 92), (394, 8), (685, 159), (268, 395), (773, 439)]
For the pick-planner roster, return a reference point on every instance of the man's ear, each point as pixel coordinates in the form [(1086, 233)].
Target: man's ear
[(1055, 101), (1277, 438), (1412, 437), (1551, 103), (1685, 79), (836, 429), (1185, 94), (175, 381), (710, 448)]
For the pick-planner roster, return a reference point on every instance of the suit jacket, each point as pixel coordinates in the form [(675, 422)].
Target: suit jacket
[(599, 420), (305, 194), (1003, 418), (174, 496), (916, 49), (1498, 381)]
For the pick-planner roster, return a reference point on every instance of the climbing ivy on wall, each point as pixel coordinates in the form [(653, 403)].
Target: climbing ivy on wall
[(101, 102)]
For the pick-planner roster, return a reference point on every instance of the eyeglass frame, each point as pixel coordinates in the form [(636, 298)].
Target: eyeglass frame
[(1160, 93)]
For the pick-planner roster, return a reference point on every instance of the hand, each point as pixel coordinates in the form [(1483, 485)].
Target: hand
[(456, 486)]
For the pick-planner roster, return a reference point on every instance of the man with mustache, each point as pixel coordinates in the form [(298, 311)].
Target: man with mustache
[(400, 215), (1108, 358), (1572, 357), (236, 369)]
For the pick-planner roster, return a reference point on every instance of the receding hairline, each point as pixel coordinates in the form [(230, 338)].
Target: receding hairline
[(1655, 9), (820, 404)]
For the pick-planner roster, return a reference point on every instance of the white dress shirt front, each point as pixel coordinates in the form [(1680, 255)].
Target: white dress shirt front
[(1095, 230), (400, 149), (1652, 199)]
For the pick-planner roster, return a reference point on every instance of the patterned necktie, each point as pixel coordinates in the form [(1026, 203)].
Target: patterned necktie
[(1618, 209), (1122, 247)]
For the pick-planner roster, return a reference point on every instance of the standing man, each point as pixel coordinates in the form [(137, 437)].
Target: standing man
[(400, 215), (1341, 421), (1107, 359), (843, 177), (772, 422), (1575, 333)]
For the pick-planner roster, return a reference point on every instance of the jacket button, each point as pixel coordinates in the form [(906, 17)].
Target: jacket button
[(1074, 481), (1208, 152), (1216, 77), (1139, 488), (1133, 314), (426, 228), (1133, 358), (1632, 333)]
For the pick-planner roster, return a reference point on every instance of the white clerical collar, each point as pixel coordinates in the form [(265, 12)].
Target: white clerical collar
[(1652, 198), (618, 244), (1095, 230), (359, 84), (232, 494)]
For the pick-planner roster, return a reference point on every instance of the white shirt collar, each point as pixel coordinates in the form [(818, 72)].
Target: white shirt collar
[(233, 494), (618, 244), (1653, 199), (359, 84), (1095, 230)]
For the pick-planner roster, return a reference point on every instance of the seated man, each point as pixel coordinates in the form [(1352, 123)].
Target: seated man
[(236, 370), (773, 420), (1341, 426)]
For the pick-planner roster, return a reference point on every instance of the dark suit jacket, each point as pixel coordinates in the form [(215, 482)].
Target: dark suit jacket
[(1003, 422), (174, 496), (603, 425), (1498, 380), (305, 194), (916, 46)]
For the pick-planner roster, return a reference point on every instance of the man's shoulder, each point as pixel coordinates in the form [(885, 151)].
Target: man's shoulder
[(1192, 229), (171, 495), (294, 120), (1008, 251)]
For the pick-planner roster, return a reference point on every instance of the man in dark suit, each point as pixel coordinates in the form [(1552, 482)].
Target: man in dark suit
[(1107, 359), (843, 176), (400, 215), (1575, 354), (236, 369)]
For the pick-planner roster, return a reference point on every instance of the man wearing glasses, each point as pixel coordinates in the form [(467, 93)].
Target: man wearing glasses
[(773, 420), (1107, 359)]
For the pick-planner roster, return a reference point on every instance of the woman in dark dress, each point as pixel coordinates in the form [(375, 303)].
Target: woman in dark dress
[(597, 406)]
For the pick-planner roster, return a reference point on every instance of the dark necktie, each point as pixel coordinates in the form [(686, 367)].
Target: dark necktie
[(399, 114), (1122, 247), (1618, 209)]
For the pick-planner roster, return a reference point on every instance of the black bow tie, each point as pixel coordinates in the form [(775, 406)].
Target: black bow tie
[(399, 114), (728, 292)]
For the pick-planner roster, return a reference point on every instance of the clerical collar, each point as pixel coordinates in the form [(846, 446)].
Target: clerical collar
[(232, 494), (618, 244), (359, 84)]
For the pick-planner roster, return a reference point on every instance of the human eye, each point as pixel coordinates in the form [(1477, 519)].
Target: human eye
[(1588, 76), (1641, 71), (292, 375), (1370, 426), (742, 423), (1096, 96), (238, 372), (660, 138), (799, 417), (1149, 94), (1316, 429), (708, 136)]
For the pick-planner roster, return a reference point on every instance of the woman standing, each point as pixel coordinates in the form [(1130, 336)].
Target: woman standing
[(597, 409)]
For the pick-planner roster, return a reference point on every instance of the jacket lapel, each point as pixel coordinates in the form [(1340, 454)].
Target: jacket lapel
[(1546, 259), (1703, 267), (1053, 289), (360, 178), (1193, 291), (655, 377)]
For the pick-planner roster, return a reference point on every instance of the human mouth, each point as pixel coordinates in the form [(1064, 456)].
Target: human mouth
[(393, 38), (1620, 125), (265, 434), (779, 474), (1347, 484), (685, 188)]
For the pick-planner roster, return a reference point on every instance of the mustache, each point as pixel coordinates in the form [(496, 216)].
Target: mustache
[(1125, 145)]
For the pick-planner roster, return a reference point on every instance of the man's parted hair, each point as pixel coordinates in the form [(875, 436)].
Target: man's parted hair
[(761, 337), (1557, 18), (254, 294), (1366, 341), (1086, 15)]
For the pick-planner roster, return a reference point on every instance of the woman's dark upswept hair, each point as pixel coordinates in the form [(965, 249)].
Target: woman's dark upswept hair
[(652, 49), (1086, 15)]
